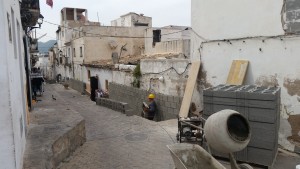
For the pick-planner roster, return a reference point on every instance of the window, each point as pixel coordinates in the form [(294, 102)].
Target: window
[(74, 52), (89, 74), (9, 28), (156, 36), (81, 55), (60, 60)]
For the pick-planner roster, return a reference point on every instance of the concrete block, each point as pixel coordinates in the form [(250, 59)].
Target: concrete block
[(262, 115), (125, 106), (129, 112), (170, 111), (261, 156), (176, 99), (167, 104), (263, 135), (173, 105), (242, 155), (165, 98), (170, 99)]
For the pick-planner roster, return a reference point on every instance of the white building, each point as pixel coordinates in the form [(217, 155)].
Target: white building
[(263, 32), (12, 82), (133, 20)]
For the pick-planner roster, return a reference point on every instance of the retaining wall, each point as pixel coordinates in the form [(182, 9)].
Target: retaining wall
[(52, 138), (77, 85), (168, 106)]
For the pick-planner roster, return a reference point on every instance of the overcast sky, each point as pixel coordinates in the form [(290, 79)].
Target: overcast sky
[(163, 12)]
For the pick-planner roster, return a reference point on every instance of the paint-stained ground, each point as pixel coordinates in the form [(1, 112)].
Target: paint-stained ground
[(117, 141)]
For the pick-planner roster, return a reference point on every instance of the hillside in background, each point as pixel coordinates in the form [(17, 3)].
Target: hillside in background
[(44, 46)]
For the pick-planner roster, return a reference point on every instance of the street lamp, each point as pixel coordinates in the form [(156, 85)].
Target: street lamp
[(39, 22)]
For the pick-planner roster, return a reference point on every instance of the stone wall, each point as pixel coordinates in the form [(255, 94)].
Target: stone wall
[(168, 106), (77, 85)]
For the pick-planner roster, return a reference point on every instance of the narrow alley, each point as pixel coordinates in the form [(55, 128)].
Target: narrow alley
[(114, 140)]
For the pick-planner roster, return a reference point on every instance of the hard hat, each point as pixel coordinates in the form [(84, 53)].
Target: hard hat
[(151, 96)]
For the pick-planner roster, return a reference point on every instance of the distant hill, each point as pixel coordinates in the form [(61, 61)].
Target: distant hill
[(44, 46)]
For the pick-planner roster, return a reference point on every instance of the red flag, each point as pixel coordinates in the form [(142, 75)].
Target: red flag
[(50, 3)]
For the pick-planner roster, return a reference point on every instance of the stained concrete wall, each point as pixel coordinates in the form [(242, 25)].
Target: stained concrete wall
[(12, 91), (273, 62), (100, 42), (173, 40), (168, 106), (292, 16), (174, 73), (77, 85)]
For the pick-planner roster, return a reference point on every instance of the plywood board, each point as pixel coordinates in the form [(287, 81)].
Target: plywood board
[(189, 89), (237, 72)]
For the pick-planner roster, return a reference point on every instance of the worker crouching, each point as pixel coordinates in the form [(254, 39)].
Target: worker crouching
[(150, 110)]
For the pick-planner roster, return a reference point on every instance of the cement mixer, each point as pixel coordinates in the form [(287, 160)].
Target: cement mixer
[(226, 131)]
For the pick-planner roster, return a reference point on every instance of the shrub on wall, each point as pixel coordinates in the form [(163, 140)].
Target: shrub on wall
[(137, 75)]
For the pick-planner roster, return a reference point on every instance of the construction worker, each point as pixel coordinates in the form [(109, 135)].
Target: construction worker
[(150, 110)]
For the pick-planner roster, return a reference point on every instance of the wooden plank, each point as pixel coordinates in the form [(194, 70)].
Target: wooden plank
[(237, 72), (189, 89)]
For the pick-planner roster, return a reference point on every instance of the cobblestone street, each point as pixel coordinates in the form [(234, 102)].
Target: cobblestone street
[(115, 140)]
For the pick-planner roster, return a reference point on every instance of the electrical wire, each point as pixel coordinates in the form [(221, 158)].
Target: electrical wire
[(170, 69)]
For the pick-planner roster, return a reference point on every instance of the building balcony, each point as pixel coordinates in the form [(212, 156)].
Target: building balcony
[(30, 12)]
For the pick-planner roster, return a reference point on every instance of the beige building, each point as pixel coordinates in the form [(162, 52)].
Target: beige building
[(72, 19)]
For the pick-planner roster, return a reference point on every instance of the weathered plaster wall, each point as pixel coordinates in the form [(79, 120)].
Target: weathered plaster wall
[(115, 76), (12, 82), (291, 16), (174, 73), (100, 42), (172, 41), (130, 19), (273, 61), (182, 47)]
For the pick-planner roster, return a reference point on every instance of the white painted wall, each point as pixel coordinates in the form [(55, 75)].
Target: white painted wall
[(217, 19), (43, 64), (12, 82), (277, 62), (119, 77)]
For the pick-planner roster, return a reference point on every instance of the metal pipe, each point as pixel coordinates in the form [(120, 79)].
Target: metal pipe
[(189, 124)]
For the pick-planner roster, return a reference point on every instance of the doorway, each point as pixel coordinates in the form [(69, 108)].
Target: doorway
[(94, 87)]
